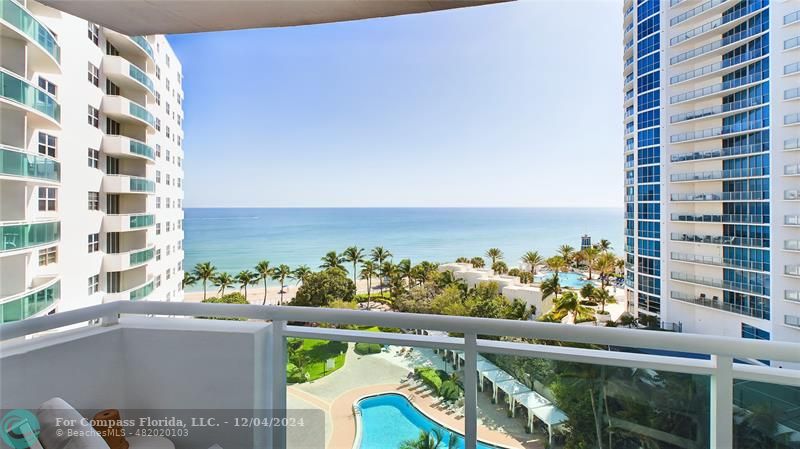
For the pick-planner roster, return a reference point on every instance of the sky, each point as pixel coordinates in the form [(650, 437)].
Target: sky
[(509, 105)]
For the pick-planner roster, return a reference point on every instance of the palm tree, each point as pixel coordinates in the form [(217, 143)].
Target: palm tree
[(462, 260), (245, 278), (477, 262), (204, 271), (567, 252), (500, 267), (571, 303), (494, 254), (589, 255), (387, 270), (354, 255), (429, 440), (379, 254), (606, 265), (602, 296), (332, 260), (533, 259), (280, 274), (556, 264), (300, 273), (604, 245), (368, 271), (188, 280), (223, 280), (264, 272), (551, 286), (404, 268)]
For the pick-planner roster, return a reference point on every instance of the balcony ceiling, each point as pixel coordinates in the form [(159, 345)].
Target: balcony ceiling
[(140, 17)]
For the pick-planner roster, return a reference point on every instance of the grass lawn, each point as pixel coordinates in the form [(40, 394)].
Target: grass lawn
[(318, 352)]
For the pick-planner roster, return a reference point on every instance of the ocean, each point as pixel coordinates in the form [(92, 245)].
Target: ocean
[(235, 239)]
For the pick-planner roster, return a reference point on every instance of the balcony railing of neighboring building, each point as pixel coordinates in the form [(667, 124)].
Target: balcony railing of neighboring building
[(791, 144), (741, 287), (791, 320), (791, 195), (791, 245), (714, 24), (720, 261), (19, 17), (717, 88), (791, 119), (791, 220), (31, 302), (792, 17), (26, 234), (791, 170), (711, 46), (720, 240), (720, 131), (789, 44), (720, 152), (695, 12), (792, 68), (18, 163), (720, 196), (792, 295), (717, 303), (713, 175), (21, 91), (792, 270), (719, 109), (721, 218)]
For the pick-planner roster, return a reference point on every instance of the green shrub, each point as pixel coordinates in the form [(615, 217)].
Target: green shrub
[(368, 348), (230, 298), (430, 378), (450, 390)]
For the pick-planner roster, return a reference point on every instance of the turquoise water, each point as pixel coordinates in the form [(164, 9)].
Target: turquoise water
[(389, 419), (571, 280), (236, 239)]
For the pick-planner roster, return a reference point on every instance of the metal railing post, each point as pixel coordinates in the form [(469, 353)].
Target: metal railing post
[(471, 390), (277, 355), (721, 421)]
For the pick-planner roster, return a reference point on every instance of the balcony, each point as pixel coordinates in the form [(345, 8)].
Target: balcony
[(719, 132), (187, 357), (15, 163), (128, 260), (792, 271), (17, 236), (719, 153), (38, 299), (127, 222), (128, 184), (718, 89), (720, 262), (17, 19), (719, 26), (126, 75), (791, 195), (791, 18), (716, 303), (125, 147), (124, 110), (720, 196), (719, 240), (696, 12), (791, 170), (791, 245), (791, 220), (716, 175), (791, 44), (721, 218), (132, 294), (792, 295), (17, 91), (719, 46), (719, 110), (760, 290), (135, 46)]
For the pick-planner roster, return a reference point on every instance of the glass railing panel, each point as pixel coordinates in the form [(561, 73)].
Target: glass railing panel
[(141, 292), (790, 94), (140, 112), (715, 302), (791, 68), (791, 320), (720, 196), (20, 236), (15, 162), (142, 42), (791, 43), (142, 149), (792, 270), (792, 295), (791, 195), (765, 415), (719, 109), (720, 283), (720, 152), (720, 131), (721, 218), (741, 35), (141, 221), (695, 11), (720, 240), (720, 174), (791, 220), (140, 257), (715, 88), (31, 304), (19, 90), (791, 170), (142, 185), (791, 17), (137, 74), (15, 14), (791, 245)]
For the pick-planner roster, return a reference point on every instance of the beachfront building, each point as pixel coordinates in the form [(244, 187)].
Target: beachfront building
[(711, 165), (91, 153)]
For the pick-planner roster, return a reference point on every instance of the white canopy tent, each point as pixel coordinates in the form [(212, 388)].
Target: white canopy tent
[(511, 387), (543, 409), (496, 377)]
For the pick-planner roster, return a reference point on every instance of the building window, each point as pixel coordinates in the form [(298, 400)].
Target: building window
[(94, 200), (47, 86), (167, 128), (168, 247), (47, 198), (158, 228), (167, 56), (94, 117), (158, 98), (113, 127), (94, 75), (158, 202), (169, 159), (168, 89), (169, 203), (158, 255), (158, 150), (168, 228), (158, 176), (94, 242), (169, 273), (158, 72), (47, 144), (158, 281), (94, 33), (48, 256), (167, 105), (158, 124), (94, 158), (167, 178), (179, 203), (94, 284)]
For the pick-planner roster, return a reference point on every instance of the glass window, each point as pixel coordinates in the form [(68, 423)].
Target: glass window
[(158, 176), (94, 33), (47, 198), (158, 202), (48, 256), (47, 85), (94, 200), (94, 117), (158, 255), (158, 228), (94, 242), (94, 158), (47, 144), (94, 75), (94, 284)]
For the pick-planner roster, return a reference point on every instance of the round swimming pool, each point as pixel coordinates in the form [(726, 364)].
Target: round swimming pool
[(569, 279), (389, 419)]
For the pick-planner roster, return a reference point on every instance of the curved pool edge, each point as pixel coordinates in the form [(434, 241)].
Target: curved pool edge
[(359, 426)]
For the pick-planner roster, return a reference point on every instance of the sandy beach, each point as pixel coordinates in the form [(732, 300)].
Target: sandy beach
[(255, 294)]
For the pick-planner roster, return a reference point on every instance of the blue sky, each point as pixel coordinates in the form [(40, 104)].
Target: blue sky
[(516, 104)]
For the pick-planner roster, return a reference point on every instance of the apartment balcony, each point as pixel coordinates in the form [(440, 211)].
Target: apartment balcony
[(128, 260), (697, 12), (792, 295), (128, 222), (16, 164), (719, 196), (17, 21), (714, 261), (720, 218), (721, 46), (124, 110), (792, 271), (718, 304), (136, 345), (131, 45), (719, 89), (719, 240), (126, 147), (719, 132), (718, 175), (718, 111), (126, 75), (791, 170), (136, 293), (760, 290), (38, 299), (791, 195), (719, 153), (791, 245), (792, 43), (717, 26), (791, 220), (23, 235), (17, 92), (128, 184), (791, 18)]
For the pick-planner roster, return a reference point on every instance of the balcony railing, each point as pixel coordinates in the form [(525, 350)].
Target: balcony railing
[(19, 17), (716, 303), (792, 295), (791, 119), (22, 235), (791, 18), (16, 162), (791, 169), (706, 27), (791, 245), (720, 261), (31, 302), (727, 40), (718, 374), (791, 195), (141, 113), (141, 256), (720, 196), (791, 220), (792, 270), (142, 185), (720, 131), (19, 90), (141, 292), (791, 320), (695, 11), (142, 221), (720, 240), (720, 152), (789, 69), (789, 44), (761, 290), (719, 109), (717, 88), (713, 175), (721, 218), (142, 42), (137, 74)]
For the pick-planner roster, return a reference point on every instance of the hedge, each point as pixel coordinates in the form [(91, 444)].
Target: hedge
[(430, 377), (368, 348)]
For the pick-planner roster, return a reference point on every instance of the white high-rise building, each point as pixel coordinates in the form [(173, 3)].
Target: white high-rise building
[(91, 150), (712, 165)]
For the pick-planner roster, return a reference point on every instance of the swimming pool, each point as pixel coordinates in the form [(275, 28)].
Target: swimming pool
[(570, 279), (389, 419)]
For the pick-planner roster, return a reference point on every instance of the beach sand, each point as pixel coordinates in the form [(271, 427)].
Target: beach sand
[(255, 295)]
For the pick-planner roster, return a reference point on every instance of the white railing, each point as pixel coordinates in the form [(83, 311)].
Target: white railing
[(720, 367), (695, 11)]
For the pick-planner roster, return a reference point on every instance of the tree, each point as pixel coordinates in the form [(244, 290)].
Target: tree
[(223, 280), (188, 280), (368, 271), (604, 245), (589, 256), (429, 440), (588, 292), (245, 278), (551, 286), (567, 252), (379, 255), (477, 262), (533, 259), (494, 254), (204, 271), (462, 260), (556, 264), (500, 267), (332, 260), (571, 304), (264, 272), (387, 270), (280, 274), (404, 269), (299, 274), (320, 289), (606, 266), (354, 255), (602, 296)]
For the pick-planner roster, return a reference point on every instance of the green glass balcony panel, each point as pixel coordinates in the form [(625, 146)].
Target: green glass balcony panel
[(20, 91), (137, 74), (142, 221), (140, 257), (31, 304), (142, 42), (140, 112), (142, 149), (142, 292), (142, 185), (21, 236), (14, 162), (19, 17)]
